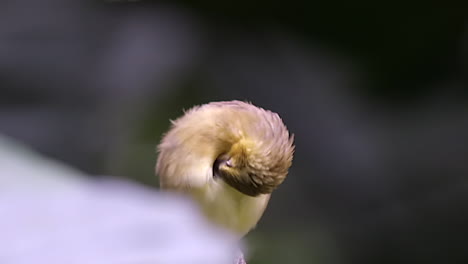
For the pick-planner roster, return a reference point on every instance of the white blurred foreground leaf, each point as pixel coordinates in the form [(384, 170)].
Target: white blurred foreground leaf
[(51, 214)]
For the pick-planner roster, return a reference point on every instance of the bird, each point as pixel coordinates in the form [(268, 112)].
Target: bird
[(228, 156)]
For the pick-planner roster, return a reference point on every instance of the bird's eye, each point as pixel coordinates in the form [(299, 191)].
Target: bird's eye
[(223, 160), (216, 165)]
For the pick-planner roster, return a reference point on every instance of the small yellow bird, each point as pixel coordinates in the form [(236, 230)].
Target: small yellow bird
[(229, 157)]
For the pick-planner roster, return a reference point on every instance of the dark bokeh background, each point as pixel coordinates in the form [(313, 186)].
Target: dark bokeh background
[(376, 95)]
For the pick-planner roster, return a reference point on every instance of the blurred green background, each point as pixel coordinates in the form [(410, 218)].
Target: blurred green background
[(375, 94)]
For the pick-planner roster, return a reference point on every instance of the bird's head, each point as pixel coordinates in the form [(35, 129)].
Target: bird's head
[(259, 152)]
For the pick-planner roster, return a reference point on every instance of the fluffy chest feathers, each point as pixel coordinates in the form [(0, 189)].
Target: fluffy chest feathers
[(229, 208)]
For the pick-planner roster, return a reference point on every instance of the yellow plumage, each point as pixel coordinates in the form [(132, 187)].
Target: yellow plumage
[(229, 157)]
